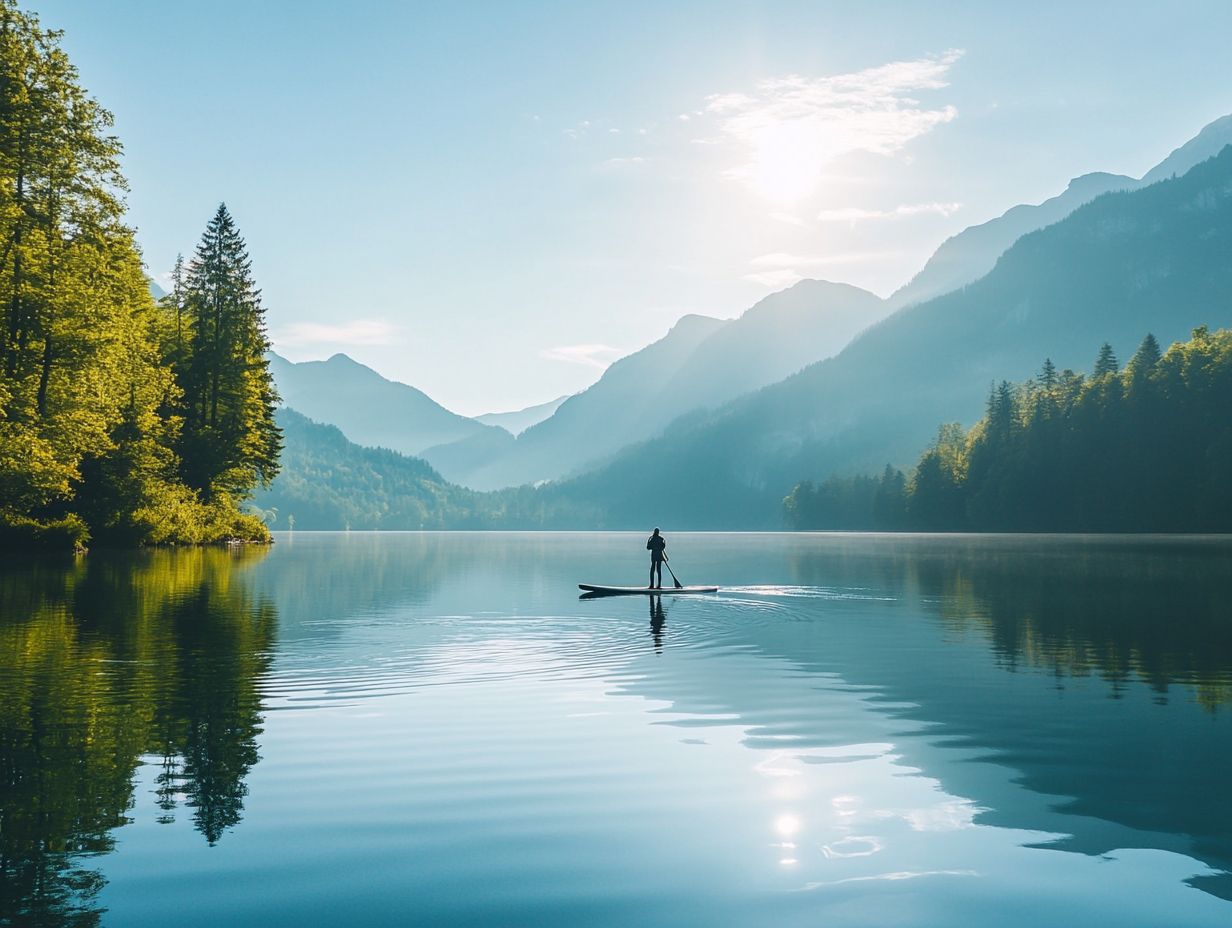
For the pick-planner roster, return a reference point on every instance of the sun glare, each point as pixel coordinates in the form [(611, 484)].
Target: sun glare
[(785, 167)]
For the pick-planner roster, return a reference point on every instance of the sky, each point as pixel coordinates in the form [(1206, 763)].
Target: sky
[(492, 201)]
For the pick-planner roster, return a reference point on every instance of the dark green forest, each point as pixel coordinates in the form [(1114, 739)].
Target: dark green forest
[(1146, 448), (122, 420)]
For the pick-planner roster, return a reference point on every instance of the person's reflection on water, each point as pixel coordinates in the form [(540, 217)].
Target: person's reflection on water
[(658, 618)]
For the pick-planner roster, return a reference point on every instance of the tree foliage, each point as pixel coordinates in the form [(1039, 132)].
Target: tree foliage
[(98, 432), (1143, 449)]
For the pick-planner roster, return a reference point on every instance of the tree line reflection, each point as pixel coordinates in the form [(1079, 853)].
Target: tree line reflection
[(107, 663), (1135, 616)]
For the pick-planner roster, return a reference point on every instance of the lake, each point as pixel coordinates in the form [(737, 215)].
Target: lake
[(378, 729)]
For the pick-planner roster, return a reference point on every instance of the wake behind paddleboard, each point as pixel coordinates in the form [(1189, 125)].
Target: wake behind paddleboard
[(643, 590)]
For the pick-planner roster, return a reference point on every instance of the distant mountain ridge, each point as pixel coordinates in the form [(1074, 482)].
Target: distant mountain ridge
[(701, 362), (519, 420), (369, 409), (969, 255), (588, 425)]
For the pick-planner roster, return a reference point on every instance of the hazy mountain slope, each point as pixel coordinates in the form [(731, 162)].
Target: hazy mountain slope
[(591, 424), (776, 337), (1206, 144), (702, 362), (520, 420), (971, 254), (369, 409), (1154, 259)]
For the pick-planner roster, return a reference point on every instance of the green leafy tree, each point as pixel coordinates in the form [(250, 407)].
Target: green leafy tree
[(92, 413), (76, 346)]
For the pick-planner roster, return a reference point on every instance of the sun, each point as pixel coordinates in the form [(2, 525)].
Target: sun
[(785, 168)]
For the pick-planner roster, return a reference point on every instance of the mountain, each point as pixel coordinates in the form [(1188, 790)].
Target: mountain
[(328, 483), (776, 337), (369, 409), (590, 424), (1153, 259), (701, 362), (1206, 144), (520, 420), (971, 254)]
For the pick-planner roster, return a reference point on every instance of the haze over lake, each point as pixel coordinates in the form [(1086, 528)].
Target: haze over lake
[(375, 729)]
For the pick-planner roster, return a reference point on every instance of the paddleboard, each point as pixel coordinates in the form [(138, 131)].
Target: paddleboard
[(643, 590)]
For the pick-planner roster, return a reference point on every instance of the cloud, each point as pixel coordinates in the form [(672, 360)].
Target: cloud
[(589, 355), (780, 259), (617, 164), (781, 269), (356, 332), (776, 279), (788, 218), (855, 214), (791, 127)]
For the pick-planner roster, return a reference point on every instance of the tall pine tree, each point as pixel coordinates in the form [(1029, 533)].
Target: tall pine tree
[(1106, 363), (230, 441)]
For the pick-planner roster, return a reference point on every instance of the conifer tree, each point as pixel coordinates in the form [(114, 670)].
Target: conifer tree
[(230, 439), (1147, 355), (1048, 375), (1106, 363)]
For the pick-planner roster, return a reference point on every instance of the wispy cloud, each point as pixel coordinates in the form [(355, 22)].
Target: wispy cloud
[(791, 127), (617, 164), (588, 355), (776, 279), (789, 218), (780, 269), (356, 332), (786, 259), (855, 214)]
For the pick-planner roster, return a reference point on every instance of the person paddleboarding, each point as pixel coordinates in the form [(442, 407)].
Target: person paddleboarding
[(656, 544)]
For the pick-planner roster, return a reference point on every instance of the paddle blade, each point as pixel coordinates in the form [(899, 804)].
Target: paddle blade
[(673, 573)]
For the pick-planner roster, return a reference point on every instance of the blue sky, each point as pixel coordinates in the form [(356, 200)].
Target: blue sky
[(491, 201)]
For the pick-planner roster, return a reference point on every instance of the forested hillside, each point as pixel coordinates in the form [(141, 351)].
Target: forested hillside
[(1144, 449), (331, 484), (121, 420)]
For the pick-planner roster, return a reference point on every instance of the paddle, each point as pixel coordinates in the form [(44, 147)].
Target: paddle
[(679, 586)]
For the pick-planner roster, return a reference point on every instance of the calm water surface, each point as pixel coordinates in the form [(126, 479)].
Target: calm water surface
[(435, 730)]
